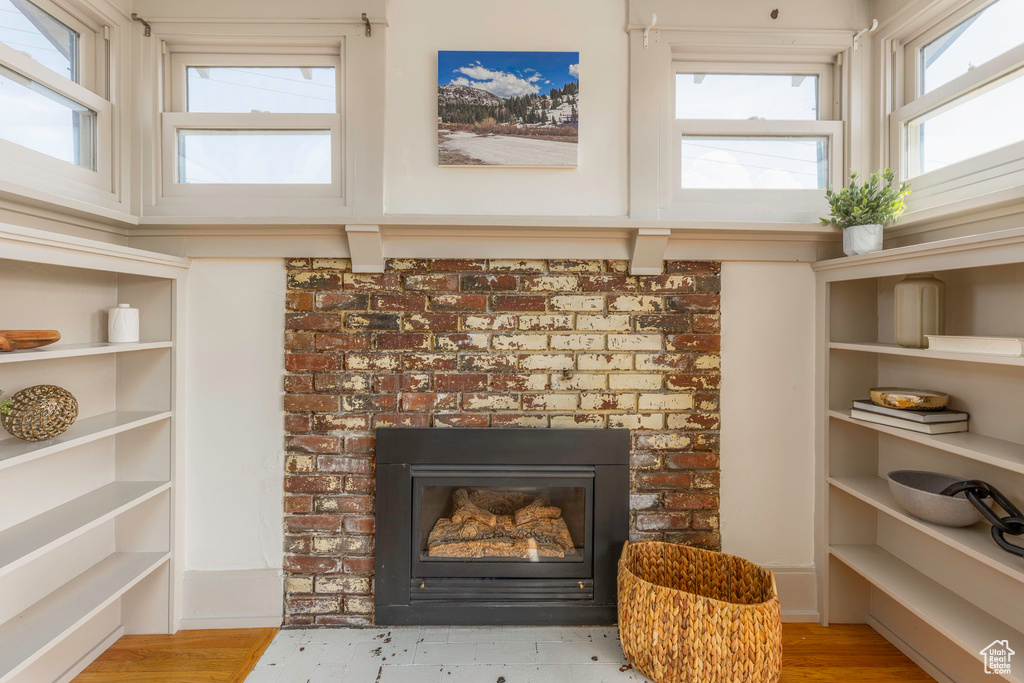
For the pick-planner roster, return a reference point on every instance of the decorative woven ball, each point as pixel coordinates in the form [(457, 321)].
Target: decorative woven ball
[(40, 412)]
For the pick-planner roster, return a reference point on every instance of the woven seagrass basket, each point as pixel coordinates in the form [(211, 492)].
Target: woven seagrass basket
[(691, 615)]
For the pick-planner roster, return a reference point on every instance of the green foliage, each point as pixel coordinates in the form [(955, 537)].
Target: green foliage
[(877, 200), (5, 406)]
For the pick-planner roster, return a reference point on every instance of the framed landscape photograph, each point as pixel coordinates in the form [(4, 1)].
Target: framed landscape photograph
[(508, 108)]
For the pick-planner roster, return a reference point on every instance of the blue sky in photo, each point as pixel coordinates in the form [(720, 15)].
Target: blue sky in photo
[(508, 74)]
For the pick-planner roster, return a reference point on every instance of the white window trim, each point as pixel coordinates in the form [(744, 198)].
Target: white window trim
[(796, 206), (220, 197), (27, 167), (964, 183)]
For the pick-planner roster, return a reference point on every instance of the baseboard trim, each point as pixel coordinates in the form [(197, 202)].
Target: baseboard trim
[(915, 655), (237, 598), (90, 656), (798, 593)]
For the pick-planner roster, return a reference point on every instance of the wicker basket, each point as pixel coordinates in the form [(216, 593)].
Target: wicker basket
[(687, 614)]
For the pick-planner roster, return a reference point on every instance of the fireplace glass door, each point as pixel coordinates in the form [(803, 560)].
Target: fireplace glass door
[(502, 523)]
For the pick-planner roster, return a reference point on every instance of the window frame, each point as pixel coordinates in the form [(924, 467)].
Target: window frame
[(90, 91), (175, 118), (999, 169), (800, 205)]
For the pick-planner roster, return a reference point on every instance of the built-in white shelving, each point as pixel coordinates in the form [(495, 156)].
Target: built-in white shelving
[(957, 619), (940, 594), (90, 525), (77, 350), (32, 633)]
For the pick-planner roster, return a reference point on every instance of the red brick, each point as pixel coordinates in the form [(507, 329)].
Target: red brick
[(312, 483), (299, 301), (458, 302), (299, 341), (460, 382), (519, 302), (358, 484), (433, 322), (358, 524), (359, 444), (429, 361), (661, 521), (304, 523), (693, 302), (350, 341), (523, 382), (452, 264), (314, 444), (399, 302), (298, 384), (297, 403), (401, 340), (666, 283), (607, 283), (307, 321), (694, 342), (305, 564), (428, 401), (295, 424), (682, 382), (691, 460), (664, 480), (376, 282), (358, 565), (373, 321), (312, 279), (433, 282), (342, 301), (344, 464), (326, 423), (401, 420), (345, 504), (406, 264), (712, 267), (461, 419), (371, 402), (662, 323), (691, 501), (489, 283), (708, 323), (298, 505), (316, 362)]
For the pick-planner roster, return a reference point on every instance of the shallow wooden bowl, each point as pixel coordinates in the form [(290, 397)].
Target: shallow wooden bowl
[(12, 340), (909, 399)]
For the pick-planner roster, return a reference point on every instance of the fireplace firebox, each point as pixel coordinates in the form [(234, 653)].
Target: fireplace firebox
[(500, 526)]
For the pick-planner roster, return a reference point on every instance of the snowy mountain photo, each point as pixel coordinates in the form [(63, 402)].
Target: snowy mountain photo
[(507, 108)]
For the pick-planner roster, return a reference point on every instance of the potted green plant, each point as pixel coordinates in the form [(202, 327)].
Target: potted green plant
[(5, 406), (863, 209)]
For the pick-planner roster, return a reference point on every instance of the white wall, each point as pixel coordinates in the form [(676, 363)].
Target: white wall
[(416, 184), (235, 442), (767, 503)]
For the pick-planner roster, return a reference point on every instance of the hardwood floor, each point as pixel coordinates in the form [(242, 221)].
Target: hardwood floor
[(221, 656), (810, 654)]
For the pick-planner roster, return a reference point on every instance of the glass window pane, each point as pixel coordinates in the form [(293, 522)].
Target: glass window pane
[(746, 96), (28, 29), (36, 117), (987, 34), (254, 156), (281, 90), (976, 123), (782, 163)]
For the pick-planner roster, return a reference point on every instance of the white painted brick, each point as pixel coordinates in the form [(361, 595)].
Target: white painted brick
[(520, 342), (633, 380), (546, 361), (580, 421), (602, 323), (634, 342), (550, 401), (666, 402), (579, 381), (605, 361), (637, 421), (546, 321), (577, 302), (577, 342)]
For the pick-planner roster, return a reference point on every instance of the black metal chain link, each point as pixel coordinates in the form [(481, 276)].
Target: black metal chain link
[(1013, 523)]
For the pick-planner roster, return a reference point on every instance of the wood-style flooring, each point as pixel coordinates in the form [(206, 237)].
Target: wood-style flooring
[(811, 653)]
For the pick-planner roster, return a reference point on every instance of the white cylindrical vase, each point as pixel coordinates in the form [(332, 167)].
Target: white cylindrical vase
[(122, 324), (920, 307)]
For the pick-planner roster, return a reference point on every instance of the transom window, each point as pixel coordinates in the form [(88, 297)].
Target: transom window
[(754, 127), (52, 120), (242, 124), (961, 120)]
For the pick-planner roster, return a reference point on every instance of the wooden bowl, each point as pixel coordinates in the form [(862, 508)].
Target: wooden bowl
[(12, 340), (909, 399)]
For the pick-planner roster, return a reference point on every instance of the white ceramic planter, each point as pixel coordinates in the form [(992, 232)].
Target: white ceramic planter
[(862, 239), (122, 324)]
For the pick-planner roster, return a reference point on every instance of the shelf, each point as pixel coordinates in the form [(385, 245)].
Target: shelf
[(948, 613), (15, 451), (22, 542), (76, 350), (897, 350), (29, 635), (1005, 454), (974, 541)]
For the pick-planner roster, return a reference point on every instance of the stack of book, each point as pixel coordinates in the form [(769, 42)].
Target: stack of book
[(925, 422)]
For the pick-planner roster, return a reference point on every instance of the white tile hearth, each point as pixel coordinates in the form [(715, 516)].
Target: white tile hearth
[(442, 654)]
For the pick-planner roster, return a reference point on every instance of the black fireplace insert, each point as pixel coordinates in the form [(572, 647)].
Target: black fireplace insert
[(500, 526)]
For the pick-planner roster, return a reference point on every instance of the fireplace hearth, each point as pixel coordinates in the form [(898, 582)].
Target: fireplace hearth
[(499, 526)]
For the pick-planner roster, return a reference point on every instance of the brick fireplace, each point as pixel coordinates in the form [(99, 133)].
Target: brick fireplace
[(489, 343)]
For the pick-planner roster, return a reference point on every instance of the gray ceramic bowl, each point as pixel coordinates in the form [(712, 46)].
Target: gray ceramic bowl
[(918, 493)]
